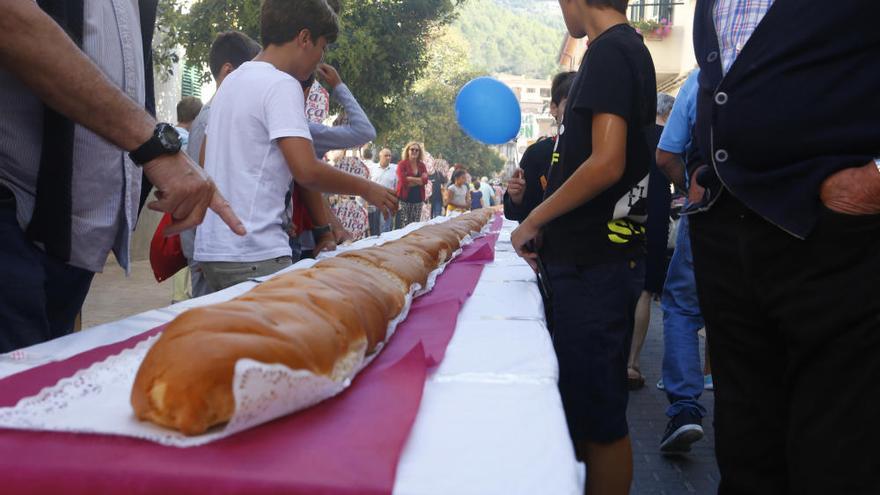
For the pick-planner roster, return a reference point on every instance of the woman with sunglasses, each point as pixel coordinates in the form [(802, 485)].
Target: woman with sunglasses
[(412, 175)]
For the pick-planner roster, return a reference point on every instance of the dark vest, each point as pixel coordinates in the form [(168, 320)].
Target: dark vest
[(50, 224), (801, 101)]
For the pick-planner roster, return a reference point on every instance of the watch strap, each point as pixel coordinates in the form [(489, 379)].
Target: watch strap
[(154, 147), (321, 230)]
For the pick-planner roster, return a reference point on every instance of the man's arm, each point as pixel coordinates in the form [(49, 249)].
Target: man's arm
[(321, 177), (37, 51), (853, 191), (672, 166), (40, 54)]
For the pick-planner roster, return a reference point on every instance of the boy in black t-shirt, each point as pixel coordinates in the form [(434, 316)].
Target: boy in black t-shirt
[(525, 190), (593, 244)]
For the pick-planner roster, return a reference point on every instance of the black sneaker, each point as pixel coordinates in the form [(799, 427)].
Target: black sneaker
[(683, 430)]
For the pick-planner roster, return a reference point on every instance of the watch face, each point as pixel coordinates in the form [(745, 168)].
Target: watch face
[(169, 137)]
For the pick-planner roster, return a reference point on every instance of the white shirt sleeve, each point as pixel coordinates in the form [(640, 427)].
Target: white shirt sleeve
[(284, 110)]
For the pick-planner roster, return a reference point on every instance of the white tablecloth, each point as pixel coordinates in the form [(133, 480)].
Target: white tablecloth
[(491, 419)]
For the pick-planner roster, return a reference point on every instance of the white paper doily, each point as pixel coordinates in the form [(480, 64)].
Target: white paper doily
[(97, 399)]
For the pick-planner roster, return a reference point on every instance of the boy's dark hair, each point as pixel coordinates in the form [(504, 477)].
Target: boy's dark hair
[(231, 47), (335, 5), (560, 86), (282, 20), (618, 5), (188, 109)]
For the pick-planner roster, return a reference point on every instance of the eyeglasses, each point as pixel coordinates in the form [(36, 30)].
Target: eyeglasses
[(415, 150)]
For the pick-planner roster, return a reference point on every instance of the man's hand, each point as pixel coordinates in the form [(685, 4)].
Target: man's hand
[(695, 190), (516, 187), (184, 190), (329, 75), (382, 198), (522, 239), (340, 234), (853, 191), (326, 242)]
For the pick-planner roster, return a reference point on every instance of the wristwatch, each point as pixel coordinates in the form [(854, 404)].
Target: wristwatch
[(319, 231), (165, 141)]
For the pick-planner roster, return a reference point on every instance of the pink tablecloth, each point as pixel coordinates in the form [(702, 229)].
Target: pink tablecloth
[(349, 444)]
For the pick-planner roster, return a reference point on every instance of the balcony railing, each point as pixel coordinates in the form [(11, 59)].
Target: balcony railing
[(652, 10)]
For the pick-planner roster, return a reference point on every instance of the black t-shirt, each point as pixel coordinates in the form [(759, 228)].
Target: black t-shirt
[(535, 162), (414, 194), (437, 182), (616, 77)]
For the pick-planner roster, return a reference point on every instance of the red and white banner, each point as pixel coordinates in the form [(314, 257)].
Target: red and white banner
[(352, 216), (318, 103)]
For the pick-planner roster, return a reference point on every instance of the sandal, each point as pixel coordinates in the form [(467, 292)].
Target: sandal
[(634, 378)]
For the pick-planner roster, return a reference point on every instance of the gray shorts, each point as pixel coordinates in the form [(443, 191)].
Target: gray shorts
[(223, 274)]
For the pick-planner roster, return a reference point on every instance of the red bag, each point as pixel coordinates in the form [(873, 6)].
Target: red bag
[(300, 215), (166, 255)]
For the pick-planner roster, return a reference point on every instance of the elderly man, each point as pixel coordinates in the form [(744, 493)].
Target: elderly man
[(385, 173), (69, 189), (786, 246)]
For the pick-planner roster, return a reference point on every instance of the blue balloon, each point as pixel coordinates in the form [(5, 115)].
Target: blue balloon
[(487, 111)]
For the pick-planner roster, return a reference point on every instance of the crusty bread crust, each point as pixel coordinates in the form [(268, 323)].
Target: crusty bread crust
[(325, 319)]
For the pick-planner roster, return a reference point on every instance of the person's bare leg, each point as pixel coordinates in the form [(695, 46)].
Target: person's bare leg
[(609, 467), (707, 367), (640, 330)]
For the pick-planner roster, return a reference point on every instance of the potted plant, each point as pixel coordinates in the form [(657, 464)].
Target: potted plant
[(653, 29)]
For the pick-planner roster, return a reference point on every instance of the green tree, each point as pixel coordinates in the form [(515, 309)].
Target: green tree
[(512, 36), (380, 53), (428, 113)]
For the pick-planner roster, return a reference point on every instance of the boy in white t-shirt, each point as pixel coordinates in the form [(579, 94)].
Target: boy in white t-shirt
[(258, 140)]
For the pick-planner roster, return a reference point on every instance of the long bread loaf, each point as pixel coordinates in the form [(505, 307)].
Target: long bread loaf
[(326, 319)]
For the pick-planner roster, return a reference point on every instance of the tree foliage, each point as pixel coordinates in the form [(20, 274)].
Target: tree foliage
[(428, 112), (512, 36), (380, 53), (399, 57)]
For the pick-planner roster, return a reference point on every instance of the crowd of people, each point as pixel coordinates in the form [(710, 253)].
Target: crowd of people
[(70, 183), (772, 144)]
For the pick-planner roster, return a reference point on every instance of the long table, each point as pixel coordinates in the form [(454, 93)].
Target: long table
[(490, 420)]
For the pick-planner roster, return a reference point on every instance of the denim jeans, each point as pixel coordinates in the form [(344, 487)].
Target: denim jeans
[(682, 369), (40, 295), (436, 207)]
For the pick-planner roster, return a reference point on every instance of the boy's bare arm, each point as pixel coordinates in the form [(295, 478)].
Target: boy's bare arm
[(202, 152), (313, 174), (314, 203), (601, 170)]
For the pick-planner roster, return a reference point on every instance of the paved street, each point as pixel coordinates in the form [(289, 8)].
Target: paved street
[(113, 296), (655, 473)]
